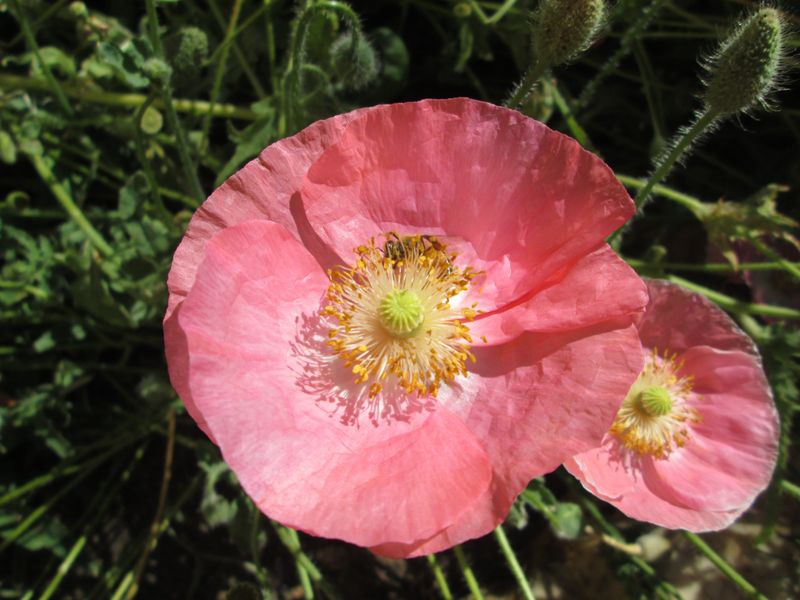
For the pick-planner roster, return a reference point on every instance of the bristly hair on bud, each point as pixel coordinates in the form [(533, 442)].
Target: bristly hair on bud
[(562, 29), (354, 60), (746, 67)]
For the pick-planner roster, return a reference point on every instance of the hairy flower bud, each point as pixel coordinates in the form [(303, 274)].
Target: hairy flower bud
[(157, 70), (563, 29), (355, 67), (186, 51), (745, 68)]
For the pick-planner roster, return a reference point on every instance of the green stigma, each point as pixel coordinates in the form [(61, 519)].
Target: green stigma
[(401, 313), (655, 401)]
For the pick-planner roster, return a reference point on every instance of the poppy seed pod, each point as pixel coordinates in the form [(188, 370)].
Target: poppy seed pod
[(563, 29), (746, 66)]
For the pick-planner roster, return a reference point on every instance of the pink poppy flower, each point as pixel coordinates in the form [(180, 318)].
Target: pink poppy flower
[(393, 320), (696, 439)]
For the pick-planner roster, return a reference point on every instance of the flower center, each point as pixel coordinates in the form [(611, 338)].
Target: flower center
[(401, 313), (655, 416), (393, 314), (655, 401)]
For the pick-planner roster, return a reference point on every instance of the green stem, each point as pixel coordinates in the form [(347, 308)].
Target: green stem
[(525, 87), (649, 11), (83, 93), (736, 306), (69, 206), (770, 253), (791, 488), (690, 202), (94, 513), (438, 574), (723, 566), (676, 151), (578, 132), (707, 267), (172, 117), (664, 589), (223, 61), (240, 57), (272, 57), (30, 40), (513, 563), (469, 576), (498, 14)]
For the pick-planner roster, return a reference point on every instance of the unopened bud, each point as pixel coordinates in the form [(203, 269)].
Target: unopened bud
[(187, 50), (745, 68), (563, 29), (356, 68), (79, 10), (157, 70)]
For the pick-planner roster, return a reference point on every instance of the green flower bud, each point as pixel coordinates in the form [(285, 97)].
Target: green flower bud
[(157, 70), (462, 10), (355, 69), (746, 66), (186, 50), (79, 10), (562, 29)]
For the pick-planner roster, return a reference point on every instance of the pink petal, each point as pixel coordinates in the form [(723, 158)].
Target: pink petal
[(599, 287), (517, 200), (677, 319), (618, 482), (265, 389), (517, 396), (730, 456), (262, 189)]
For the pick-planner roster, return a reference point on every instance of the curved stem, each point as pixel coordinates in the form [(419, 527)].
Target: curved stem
[(770, 253), (637, 263), (678, 149), (736, 306), (790, 488), (441, 581), (223, 61), (469, 576), (172, 117), (513, 563), (525, 87), (723, 566), (693, 204), (30, 40), (69, 205)]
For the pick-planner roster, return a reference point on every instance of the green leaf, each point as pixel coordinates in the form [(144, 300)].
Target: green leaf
[(132, 195), (248, 144), (8, 150), (126, 64)]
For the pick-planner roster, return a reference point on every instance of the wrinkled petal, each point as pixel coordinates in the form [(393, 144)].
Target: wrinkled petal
[(517, 396), (679, 319), (517, 200), (733, 450), (599, 287), (627, 488), (254, 376), (262, 189), (728, 457)]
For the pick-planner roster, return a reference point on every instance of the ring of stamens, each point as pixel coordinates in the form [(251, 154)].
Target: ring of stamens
[(393, 315), (655, 416)]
